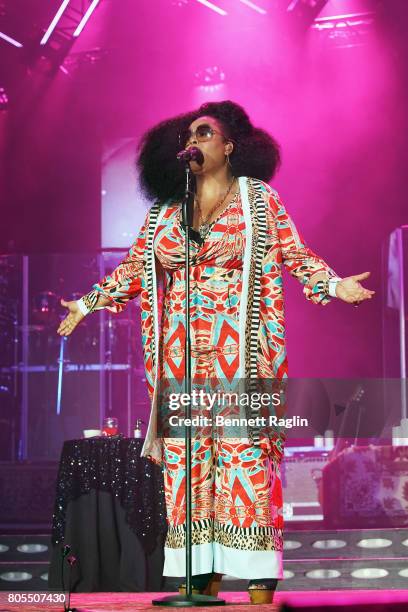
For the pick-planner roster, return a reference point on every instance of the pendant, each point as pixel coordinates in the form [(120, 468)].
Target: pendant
[(204, 230)]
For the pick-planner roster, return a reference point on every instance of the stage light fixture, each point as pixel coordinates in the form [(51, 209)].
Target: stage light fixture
[(70, 19), (213, 7), (3, 106), (89, 58), (210, 79), (10, 40), (343, 31), (329, 544), (371, 573), (32, 548), (374, 543), (291, 545), (86, 17), (307, 5), (254, 7), (323, 574), (287, 574), (56, 43), (15, 576), (54, 22), (304, 12)]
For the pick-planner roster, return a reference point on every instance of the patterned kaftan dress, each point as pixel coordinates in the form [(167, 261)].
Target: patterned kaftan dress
[(236, 486)]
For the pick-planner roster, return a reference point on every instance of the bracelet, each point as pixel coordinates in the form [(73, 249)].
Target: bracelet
[(88, 302), (327, 286), (332, 284)]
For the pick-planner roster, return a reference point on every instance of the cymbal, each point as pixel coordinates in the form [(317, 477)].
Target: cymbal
[(120, 322), (31, 328)]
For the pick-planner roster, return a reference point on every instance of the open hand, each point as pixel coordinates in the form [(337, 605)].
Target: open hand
[(350, 290), (73, 318)]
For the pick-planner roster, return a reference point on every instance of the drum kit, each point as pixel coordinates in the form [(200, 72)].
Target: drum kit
[(85, 343), (36, 363), (109, 342)]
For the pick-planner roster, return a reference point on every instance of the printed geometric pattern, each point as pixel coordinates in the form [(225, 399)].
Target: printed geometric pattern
[(236, 494), (216, 286), (236, 486)]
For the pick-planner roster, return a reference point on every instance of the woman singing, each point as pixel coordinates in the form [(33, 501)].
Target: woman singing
[(241, 236)]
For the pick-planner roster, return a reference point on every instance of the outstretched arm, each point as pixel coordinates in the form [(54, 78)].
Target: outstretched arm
[(319, 280), (351, 291), (115, 290)]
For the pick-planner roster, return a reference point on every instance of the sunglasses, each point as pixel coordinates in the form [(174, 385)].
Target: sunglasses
[(202, 133)]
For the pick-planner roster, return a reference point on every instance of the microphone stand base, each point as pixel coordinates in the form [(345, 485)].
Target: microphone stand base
[(184, 601)]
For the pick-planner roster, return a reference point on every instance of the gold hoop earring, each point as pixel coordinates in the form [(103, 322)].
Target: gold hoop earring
[(228, 160)]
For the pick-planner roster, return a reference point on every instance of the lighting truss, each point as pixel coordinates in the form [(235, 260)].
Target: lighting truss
[(303, 12), (89, 58), (344, 31), (65, 27), (70, 19), (54, 22), (86, 17), (314, 6)]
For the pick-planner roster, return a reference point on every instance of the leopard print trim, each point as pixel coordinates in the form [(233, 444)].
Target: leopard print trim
[(202, 532), (206, 531), (259, 542)]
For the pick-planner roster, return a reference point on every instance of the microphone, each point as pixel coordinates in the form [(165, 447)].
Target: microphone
[(191, 154)]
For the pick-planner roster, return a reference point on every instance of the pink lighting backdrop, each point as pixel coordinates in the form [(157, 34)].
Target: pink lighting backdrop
[(335, 104)]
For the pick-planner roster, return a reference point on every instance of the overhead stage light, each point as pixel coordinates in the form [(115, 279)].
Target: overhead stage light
[(56, 43), (213, 7), (254, 7), (74, 16), (86, 17), (54, 22), (210, 79), (303, 12), (10, 40), (345, 31), (3, 106)]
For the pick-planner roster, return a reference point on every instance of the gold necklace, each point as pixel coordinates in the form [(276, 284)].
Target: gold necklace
[(205, 224)]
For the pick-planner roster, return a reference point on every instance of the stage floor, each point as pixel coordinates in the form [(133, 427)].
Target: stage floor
[(309, 600)]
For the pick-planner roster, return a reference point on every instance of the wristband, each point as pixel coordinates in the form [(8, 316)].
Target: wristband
[(82, 307), (331, 285)]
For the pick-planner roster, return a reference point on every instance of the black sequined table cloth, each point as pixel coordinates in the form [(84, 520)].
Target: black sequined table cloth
[(110, 510)]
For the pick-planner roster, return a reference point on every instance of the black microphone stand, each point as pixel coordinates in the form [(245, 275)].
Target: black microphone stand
[(188, 600)]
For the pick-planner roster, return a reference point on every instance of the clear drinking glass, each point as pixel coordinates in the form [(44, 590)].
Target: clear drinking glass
[(110, 426)]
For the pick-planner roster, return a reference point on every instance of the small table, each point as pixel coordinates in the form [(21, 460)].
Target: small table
[(110, 509)]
